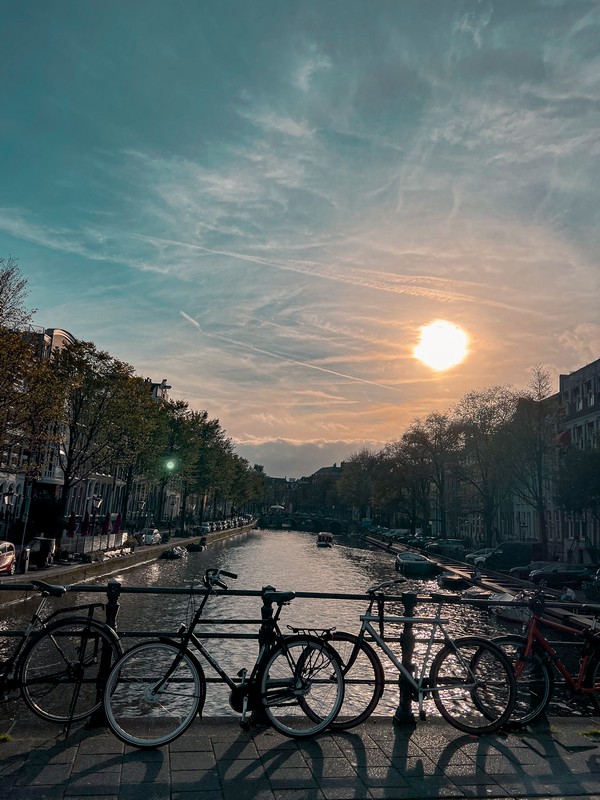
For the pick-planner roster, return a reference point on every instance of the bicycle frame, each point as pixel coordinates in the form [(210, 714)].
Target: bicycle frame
[(37, 623), (269, 635), (419, 683), (534, 636)]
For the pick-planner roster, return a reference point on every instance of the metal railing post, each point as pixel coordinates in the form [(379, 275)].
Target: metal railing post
[(113, 592), (404, 714), (111, 610)]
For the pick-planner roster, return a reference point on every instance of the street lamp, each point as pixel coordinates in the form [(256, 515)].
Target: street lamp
[(8, 500), (141, 507), (96, 503), (172, 509)]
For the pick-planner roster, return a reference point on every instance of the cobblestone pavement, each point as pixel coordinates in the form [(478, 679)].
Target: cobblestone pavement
[(216, 760)]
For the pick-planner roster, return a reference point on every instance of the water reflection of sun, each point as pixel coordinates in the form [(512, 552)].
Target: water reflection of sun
[(442, 345)]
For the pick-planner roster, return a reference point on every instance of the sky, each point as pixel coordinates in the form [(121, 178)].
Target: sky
[(265, 201)]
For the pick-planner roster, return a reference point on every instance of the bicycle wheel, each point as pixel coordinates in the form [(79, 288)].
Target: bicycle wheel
[(592, 678), (153, 693), (301, 686), (474, 685), (62, 670), (535, 682), (364, 680)]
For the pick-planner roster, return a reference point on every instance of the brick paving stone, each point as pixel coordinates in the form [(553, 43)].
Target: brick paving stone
[(254, 791), (199, 780), (381, 776), (192, 761)]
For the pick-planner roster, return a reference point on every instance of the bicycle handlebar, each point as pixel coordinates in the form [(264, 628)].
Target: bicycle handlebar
[(384, 585), (212, 577)]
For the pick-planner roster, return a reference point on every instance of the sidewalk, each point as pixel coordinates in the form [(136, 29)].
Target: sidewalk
[(216, 760)]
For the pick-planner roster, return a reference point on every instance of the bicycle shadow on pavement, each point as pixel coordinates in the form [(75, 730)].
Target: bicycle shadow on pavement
[(523, 762)]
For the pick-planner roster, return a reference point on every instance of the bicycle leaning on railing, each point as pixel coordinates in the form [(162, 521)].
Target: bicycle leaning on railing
[(533, 658), (470, 678), (156, 689), (60, 660)]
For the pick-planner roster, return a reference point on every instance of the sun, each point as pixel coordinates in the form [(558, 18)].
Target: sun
[(442, 345)]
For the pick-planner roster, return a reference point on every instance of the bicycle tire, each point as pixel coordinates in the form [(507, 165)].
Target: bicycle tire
[(301, 686), (140, 715), (535, 684), (364, 680), (60, 670), (473, 685), (592, 678)]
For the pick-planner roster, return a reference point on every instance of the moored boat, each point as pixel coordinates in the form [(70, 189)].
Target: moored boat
[(196, 547), (415, 565), (510, 610), (173, 553), (447, 580), (476, 593), (325, 539)]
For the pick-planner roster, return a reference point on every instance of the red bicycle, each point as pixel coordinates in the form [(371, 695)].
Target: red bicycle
[(535, 662)]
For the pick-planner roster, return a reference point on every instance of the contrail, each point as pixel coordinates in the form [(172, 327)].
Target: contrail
[(425, 286), (254, 349)]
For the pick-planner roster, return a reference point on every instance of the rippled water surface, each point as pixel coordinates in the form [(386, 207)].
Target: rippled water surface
[(287, 560)]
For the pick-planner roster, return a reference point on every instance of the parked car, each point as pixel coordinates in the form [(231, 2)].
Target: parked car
[(558, 575), (523, 572), (8, 558), (471, 558), (451, 548), (150, 536), (508, 555)]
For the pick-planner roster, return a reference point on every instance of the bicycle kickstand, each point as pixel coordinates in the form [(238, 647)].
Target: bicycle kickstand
[(244, 723)]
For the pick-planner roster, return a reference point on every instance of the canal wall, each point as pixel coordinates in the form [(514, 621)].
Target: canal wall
[(18, 587)]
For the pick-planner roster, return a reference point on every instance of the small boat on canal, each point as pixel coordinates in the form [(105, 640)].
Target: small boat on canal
[(174, 553), (415, 565), (196, 547), (510, 611), (448, 580), (325, 539)]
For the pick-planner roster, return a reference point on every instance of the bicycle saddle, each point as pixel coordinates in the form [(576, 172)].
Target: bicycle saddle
[(48, 588), (270, 595)]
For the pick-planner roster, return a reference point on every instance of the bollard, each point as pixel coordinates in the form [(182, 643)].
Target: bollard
[(404, 714), (113, 592)]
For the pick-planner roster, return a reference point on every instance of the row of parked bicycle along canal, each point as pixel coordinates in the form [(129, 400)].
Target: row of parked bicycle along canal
[(70, 665)]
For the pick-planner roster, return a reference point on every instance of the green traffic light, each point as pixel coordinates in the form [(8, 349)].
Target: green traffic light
[(170, 465)]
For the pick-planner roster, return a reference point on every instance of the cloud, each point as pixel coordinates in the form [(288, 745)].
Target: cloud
[(306, 70), (286, 359)]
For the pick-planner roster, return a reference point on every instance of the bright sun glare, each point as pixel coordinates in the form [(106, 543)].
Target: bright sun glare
[(441, 345)]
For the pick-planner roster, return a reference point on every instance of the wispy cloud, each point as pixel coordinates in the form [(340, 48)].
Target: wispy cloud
[(278, 356)]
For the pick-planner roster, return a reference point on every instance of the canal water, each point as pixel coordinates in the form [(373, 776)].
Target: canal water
[(287, 560)]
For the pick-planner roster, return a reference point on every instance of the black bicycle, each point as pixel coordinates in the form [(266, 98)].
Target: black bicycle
[(155, 690), (60, 660)]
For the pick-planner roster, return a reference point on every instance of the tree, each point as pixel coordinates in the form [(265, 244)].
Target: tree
[(532, 451), (354, 487), (482, 418), (142, 444), (96, 412), (438, 439), (13, 291), (410, 470), (29, 402)]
